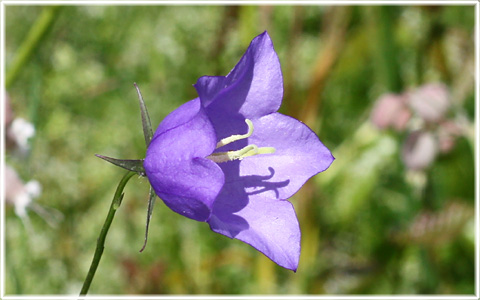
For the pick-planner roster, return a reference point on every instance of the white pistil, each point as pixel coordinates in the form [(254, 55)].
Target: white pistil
[(246, 151)]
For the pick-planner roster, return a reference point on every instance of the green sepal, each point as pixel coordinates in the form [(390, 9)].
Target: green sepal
[(134, 165), (146, 124), (151, 203)]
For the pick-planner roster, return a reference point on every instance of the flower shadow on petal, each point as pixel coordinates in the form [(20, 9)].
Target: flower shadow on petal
[(266, 223), (235, 196), (259, 184)]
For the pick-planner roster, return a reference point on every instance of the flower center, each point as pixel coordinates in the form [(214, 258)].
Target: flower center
[(249, 150)]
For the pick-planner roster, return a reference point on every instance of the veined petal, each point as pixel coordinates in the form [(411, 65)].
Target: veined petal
[(299, 155), (270, 226), (253, 88), (176, 166)]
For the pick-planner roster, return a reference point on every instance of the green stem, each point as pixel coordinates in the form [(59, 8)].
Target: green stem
[(117, 200), (35, 36), (388, 48)]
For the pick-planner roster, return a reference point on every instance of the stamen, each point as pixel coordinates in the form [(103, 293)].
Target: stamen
[(246, 151), (237, 137), (261, 150)]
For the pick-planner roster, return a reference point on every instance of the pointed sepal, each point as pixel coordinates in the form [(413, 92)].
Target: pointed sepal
[(147, 125), (151, 203), (134, 165)]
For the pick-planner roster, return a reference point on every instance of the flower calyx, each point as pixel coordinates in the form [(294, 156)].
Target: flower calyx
[(136, 165)]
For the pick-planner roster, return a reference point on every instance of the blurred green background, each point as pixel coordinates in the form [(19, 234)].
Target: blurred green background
[(369, 225)]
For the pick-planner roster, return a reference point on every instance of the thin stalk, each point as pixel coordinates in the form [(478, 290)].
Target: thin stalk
[(388, 49), (35, 36), (117, 200)]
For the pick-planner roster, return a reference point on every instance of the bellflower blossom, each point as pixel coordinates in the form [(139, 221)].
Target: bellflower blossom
[(230, 159)]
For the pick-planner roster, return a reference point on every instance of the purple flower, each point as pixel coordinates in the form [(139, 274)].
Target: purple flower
[(230, 159)]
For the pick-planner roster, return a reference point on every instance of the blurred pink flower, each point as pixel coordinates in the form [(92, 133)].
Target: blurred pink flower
[(430, 101), (8, 111), (434, 133), (419, 150), (448, 132), (391, 111), (19, 194)]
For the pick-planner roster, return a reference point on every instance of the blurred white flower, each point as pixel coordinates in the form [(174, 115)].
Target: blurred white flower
[(19, 131), (21, 195)]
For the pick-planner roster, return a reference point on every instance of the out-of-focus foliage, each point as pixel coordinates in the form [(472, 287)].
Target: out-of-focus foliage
[(369, 225)]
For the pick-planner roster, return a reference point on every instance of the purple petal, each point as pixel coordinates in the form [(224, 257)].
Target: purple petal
[(253, 88), (176, 166), (184, 113), (299, 155), (270, 226)]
